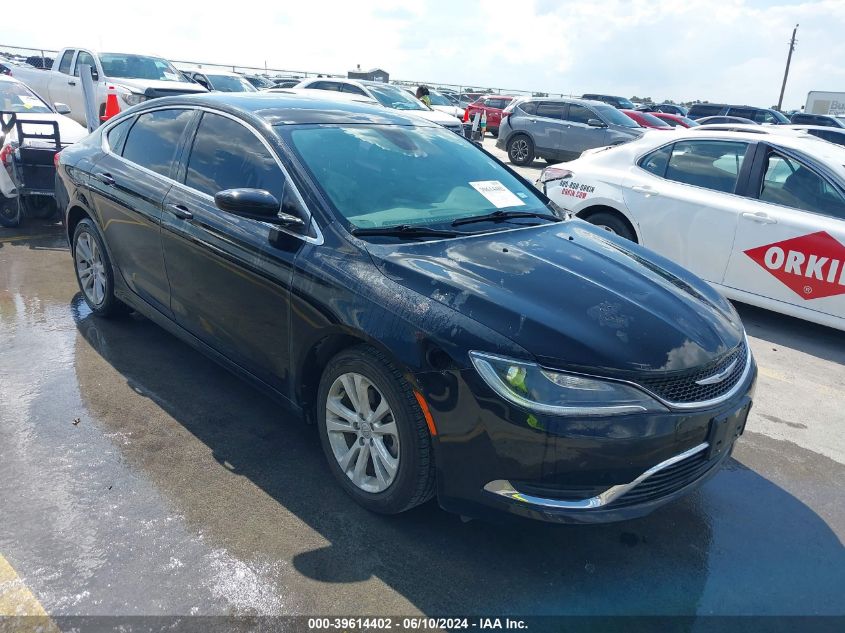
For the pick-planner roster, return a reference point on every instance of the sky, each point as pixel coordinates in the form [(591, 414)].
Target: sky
[(716, 50)]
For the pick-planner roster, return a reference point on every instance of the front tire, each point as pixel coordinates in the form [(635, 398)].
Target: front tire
[(520, 150), (373, 432), (94, 271)]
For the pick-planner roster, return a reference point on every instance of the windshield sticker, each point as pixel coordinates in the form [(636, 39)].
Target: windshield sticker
[(29, 102), (496, 193)]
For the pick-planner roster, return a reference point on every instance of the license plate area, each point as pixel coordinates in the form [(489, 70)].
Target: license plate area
[(724, 430)]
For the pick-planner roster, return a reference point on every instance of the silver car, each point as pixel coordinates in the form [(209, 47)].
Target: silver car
[(560, 129)]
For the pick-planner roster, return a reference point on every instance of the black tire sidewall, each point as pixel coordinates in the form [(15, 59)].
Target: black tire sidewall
[(611, 220), (513, 140), (9, 203), (404, 492), (110, 305)]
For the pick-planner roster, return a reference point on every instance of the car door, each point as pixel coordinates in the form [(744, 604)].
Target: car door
[(685, 199), (128, 185), (579, 134), (546, 127), (75, 97), (221, 290), (791, 248), (62, 82)]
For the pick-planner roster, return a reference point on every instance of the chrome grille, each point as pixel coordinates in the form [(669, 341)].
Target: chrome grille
[(683, 387)]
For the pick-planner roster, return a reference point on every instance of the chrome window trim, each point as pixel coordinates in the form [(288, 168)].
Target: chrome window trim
[(312, 222), (504, 488)]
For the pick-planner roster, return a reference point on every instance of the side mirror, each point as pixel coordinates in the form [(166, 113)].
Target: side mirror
[(596, 123), (255, 204), (61, 108)]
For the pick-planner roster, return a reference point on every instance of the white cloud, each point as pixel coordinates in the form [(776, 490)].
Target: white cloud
[(733, 50)]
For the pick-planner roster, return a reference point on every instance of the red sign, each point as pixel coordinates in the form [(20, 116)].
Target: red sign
[(812, 266)]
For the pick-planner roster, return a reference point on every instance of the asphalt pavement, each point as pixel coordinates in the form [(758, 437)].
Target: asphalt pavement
[(138, 477)]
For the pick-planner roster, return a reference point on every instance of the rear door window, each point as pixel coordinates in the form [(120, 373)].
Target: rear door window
[(153, 140), (227, 155), (551, 110), (709, 164), (657, 161), (352, 88), (529, 107), (64, 64), (117, 134)]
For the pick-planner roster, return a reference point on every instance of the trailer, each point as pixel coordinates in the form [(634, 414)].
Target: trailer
[(830, 103)]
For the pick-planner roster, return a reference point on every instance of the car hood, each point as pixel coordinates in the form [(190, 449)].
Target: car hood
[(435, 116), (69, 130), (573, 297), (450, 109), (169, 87)]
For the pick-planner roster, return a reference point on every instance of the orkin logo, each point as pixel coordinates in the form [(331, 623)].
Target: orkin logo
[(812, 266)]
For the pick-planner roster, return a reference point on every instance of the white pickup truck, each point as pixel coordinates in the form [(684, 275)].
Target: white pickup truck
[(136, 78)]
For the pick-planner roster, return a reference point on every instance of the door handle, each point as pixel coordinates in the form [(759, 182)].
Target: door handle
[(759, 217), (180, 211), (646, 189), (71, 82), (106, 179)]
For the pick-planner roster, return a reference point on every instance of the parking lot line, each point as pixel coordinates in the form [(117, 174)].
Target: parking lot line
[(17, 600)]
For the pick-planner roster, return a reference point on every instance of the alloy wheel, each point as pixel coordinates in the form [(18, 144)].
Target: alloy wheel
[(362, 432), (90, 269), (519, 149)]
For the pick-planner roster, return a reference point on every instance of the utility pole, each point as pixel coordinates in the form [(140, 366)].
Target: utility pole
[(786, 70)]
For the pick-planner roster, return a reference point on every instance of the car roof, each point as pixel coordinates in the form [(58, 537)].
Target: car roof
[(799, 126), (575, 100), (830, 153), (285, 108)]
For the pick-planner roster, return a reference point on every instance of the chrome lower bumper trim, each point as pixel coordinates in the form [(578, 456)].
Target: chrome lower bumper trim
[(504, 488)]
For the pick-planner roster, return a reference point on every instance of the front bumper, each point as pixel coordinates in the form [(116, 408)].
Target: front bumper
[(493, 457)]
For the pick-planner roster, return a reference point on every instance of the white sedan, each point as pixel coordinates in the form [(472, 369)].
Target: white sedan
[(759, 216)]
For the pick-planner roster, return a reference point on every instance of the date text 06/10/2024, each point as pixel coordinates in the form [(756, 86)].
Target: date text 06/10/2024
[(415, 624)]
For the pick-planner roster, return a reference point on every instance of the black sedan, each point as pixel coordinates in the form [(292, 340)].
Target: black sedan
[(447, 329)]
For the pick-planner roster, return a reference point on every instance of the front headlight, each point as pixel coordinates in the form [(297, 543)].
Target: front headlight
[(134, 99), (556, 393)]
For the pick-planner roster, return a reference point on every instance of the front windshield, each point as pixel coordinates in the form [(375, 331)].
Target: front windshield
[(438, 99), (227, 83), (138, 67), (627, 104), (378, 176), (396, 98), (613, 116), (17, 98)]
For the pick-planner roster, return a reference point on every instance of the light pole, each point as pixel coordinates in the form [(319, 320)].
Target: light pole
[(786, 70)]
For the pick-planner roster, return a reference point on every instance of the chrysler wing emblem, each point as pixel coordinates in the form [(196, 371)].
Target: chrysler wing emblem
[(718, 377)]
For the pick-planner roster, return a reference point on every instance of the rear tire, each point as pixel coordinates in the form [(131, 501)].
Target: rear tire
[(612, 223), (376, 440), (10, 212), (94, 271), (520, 150), (41, 207)]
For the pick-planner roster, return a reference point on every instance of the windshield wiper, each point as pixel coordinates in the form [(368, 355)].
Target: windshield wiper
[(405, 230), (499, 216)]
